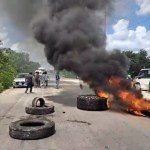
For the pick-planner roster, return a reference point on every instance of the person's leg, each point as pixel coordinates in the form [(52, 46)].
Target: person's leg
[(31, 88), (56, 84), (46, 83), (40, 83), (43, 83), (36, 83), (27, 88)]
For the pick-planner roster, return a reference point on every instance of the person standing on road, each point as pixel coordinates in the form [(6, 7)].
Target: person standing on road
[(46, 79), (57, 80), (37, 79), (29, 81)]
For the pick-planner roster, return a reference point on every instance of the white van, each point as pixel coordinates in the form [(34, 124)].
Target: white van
[(142, 81), (39, 71)]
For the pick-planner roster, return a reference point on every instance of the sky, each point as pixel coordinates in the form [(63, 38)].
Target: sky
[(132, 30), (127, 29)]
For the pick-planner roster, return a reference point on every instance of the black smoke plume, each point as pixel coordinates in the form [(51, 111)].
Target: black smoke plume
[(75, 40)]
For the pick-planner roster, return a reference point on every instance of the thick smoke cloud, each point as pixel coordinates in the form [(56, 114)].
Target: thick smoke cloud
[(74, 39), (20, 12)]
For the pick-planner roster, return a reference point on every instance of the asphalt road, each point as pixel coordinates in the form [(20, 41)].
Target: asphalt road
[(75, 129)]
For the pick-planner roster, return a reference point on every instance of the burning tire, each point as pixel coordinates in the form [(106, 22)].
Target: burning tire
[(47, 109), (146, 113), (31, 129), (91, 103), (37, 100)]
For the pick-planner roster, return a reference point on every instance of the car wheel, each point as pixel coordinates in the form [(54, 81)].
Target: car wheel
[(137, 87), (91, 103), (31, 129)]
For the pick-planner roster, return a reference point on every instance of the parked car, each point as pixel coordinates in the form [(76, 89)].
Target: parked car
[(142, 81), (19, 81)]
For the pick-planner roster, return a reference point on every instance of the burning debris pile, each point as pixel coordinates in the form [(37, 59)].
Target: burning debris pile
[(74, 39), (135, 103)]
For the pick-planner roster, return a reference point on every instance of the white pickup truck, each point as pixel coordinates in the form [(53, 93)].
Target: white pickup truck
[(142, 81)]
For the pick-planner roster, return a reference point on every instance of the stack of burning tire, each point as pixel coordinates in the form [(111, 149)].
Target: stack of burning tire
[(34, 128), (92, 103)]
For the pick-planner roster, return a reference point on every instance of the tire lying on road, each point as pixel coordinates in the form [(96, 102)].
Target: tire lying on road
[(36, 100), (47, 109), (91, 103), (146, 113), (31, 129)]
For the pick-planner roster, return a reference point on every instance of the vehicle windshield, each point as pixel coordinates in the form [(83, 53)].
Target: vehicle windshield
[(144, 74), (21, 75)]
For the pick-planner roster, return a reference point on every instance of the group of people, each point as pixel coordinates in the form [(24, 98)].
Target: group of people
[(39, 80)]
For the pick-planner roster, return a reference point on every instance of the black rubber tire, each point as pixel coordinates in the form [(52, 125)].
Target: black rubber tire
[(40, 110), (91, 103), (146, 113), (36, 100), (29, 132)]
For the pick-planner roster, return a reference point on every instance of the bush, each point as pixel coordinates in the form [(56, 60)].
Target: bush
[(1, 87), (68, 74), (7, 72), (6, 77)]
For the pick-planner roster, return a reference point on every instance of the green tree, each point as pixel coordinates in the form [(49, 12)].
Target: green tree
[(8, 70), (138, 61), (68, 74), (23, 63), (11, 63)]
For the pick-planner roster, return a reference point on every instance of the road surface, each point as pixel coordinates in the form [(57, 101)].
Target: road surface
[(107, 130)]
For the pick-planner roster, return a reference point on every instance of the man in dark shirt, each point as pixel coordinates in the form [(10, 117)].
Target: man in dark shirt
[(29, 82)]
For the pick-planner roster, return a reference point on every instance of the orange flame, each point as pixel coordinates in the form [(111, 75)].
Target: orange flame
[(135, 105), (105, 95), (138, 104), (135, 112)]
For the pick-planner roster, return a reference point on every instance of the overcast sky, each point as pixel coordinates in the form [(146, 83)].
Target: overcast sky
[(128, 29)]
